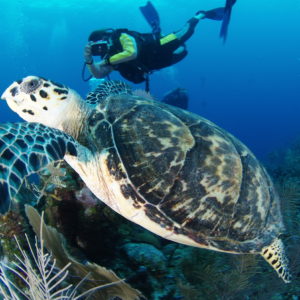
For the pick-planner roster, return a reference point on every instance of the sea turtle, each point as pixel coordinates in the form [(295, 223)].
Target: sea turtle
[(164, 168)]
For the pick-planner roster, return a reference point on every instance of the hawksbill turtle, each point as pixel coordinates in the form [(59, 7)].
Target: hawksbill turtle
[(164, 168)]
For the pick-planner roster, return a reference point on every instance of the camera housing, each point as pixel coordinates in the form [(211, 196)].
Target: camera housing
[(99, 48)]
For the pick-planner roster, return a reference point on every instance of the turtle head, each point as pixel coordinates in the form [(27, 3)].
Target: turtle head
[(36, 99)]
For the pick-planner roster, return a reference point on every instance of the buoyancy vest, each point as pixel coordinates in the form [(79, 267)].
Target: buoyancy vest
[(151, 55)]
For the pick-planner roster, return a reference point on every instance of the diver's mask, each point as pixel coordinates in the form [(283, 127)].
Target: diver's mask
[(99, 48)]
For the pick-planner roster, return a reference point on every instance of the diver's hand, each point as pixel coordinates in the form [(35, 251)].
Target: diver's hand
[(104, 63), (88, 54)]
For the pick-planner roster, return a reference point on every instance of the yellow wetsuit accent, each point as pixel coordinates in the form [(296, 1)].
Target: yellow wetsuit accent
[(168, 38), (129, 50)]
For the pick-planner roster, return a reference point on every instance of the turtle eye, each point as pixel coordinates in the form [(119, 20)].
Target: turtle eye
[(31, 85)]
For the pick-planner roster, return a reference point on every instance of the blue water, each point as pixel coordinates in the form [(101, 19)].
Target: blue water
[(249, 86)]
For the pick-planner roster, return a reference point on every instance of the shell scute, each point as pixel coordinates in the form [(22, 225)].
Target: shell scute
[(153, 149)]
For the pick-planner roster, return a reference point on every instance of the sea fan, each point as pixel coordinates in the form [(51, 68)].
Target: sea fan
[(38, 272), (45, 275)]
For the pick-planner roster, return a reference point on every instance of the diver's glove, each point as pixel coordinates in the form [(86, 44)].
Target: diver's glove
[(105, 62), (88, 58)]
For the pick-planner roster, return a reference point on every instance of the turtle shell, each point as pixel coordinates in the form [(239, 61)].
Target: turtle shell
[(168, 170), (188, 175)]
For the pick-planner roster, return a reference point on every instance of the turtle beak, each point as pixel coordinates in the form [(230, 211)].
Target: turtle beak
[(12, 91), (3, 96)]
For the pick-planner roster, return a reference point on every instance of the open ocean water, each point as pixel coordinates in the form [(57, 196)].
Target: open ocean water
[(249, 85)]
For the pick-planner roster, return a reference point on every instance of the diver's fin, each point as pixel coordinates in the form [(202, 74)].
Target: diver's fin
[(226, 19), (213, 14), (152, 17)]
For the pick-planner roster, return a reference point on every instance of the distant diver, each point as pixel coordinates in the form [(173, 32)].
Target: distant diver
[(135, 55), (226, 19), (177, 97)]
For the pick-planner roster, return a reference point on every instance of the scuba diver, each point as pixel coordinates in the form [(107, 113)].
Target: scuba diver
[(135, 55)]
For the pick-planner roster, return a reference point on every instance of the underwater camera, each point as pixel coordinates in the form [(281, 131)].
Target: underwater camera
[(99, 48)]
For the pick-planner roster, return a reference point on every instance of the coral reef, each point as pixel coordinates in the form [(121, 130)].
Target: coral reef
[(45, 274), (141, 254)]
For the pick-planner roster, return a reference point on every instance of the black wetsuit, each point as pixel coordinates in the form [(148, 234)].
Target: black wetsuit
[(153, 53)]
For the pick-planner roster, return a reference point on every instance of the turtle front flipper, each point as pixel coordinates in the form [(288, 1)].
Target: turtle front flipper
[(27, 148)]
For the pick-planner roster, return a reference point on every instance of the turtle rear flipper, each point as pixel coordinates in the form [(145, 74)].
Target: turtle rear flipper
[(25, 149), (276, 257)]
